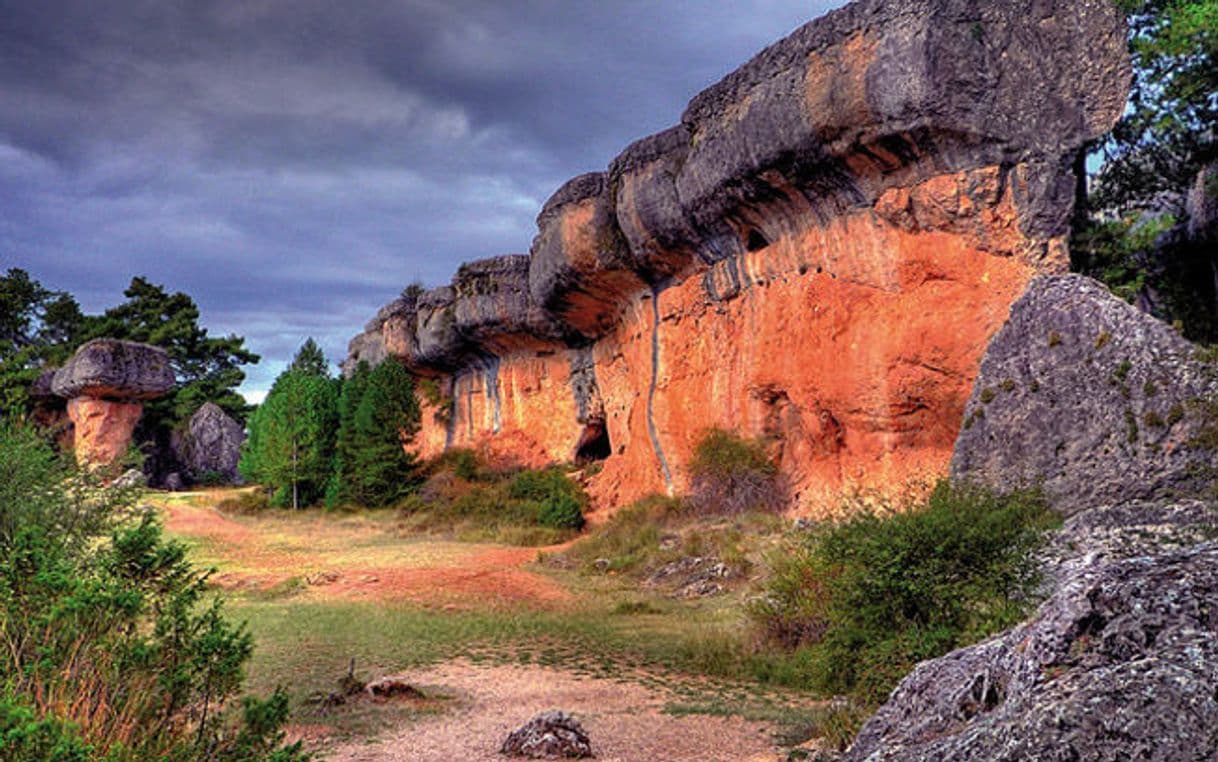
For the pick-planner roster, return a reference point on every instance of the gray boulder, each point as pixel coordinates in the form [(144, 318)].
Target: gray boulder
[(210, 445), (113, 369), (1119, 663), (1089, 398), (549, 735)]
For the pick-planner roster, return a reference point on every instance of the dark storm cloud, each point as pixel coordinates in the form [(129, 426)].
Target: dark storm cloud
[(293, 163)]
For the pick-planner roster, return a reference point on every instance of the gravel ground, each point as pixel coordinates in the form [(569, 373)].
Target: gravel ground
[(623, 720)]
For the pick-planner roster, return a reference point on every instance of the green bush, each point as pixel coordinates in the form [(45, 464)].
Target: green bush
[(119, 639), (26, 737), (870, 597), (561, 512), (542, 485), (465, 498), (730, 475)]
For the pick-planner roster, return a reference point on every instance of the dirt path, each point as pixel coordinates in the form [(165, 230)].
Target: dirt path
[(354, 558), (624, 720)]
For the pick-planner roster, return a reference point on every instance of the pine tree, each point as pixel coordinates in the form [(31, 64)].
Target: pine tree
[(291, 442), (380, 416), (338, 492), (310, 359)]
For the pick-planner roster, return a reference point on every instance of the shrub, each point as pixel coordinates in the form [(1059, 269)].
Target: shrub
[(466, 498), (561, 512), (730, 475), (542, 485), (875, 594), (112, 648)]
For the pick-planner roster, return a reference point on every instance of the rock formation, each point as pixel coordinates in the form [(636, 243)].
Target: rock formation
[(1089, 398), (106, 383), (1119, 663), (549, 735), (210, 445), (818, 254)]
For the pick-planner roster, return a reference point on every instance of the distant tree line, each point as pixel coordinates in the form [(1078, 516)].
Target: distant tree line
[(342, 440)]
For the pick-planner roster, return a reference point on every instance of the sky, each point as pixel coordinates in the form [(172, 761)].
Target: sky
[(293, 164)]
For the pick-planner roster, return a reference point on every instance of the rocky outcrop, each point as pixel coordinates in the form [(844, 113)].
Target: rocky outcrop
[(1092, 400), (1119, 663), (817, 254), (106, 383), (210, 446), (549, 735)]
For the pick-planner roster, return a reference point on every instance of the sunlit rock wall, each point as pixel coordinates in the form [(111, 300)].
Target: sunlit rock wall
[(818, 255)]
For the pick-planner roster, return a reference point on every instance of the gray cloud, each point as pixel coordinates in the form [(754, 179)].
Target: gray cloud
[(292, 164)]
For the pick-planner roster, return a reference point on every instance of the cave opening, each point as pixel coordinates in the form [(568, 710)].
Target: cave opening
[(756, 241), (593, 444)]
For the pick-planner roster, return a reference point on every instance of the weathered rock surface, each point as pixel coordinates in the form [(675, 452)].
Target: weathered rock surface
[(818, 254), (549, 735), (112, 369), (102, 428), (210, 445), (1089, 398), (105, 383), (1119, 663)]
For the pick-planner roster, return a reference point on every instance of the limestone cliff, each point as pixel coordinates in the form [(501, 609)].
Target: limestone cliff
[(817, 254)]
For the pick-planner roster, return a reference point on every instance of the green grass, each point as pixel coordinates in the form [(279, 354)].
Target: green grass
[(658, 530), (695, 653)]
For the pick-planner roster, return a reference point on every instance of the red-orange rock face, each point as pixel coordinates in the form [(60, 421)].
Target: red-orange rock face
[(817, 255), (103, 428)]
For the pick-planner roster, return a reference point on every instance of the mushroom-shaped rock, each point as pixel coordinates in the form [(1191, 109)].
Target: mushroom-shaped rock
[(113, 369), (105, 383), (210, 446)]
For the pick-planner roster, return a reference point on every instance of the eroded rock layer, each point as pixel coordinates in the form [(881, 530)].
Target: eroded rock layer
[(818, 255)]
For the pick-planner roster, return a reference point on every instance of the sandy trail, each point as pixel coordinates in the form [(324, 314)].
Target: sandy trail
[(623, 719)]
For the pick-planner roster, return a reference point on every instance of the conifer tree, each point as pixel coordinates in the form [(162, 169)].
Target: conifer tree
[(338, 492), (375, 469), (310, 359), (291, 438)]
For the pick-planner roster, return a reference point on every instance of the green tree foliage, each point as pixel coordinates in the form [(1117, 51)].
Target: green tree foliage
[(1124, 233), (870, 597), (112, 648), (208, 369), (290, 448), (380, 415), (338, 492), (310, 359), (1167, 133), (38, 328)]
